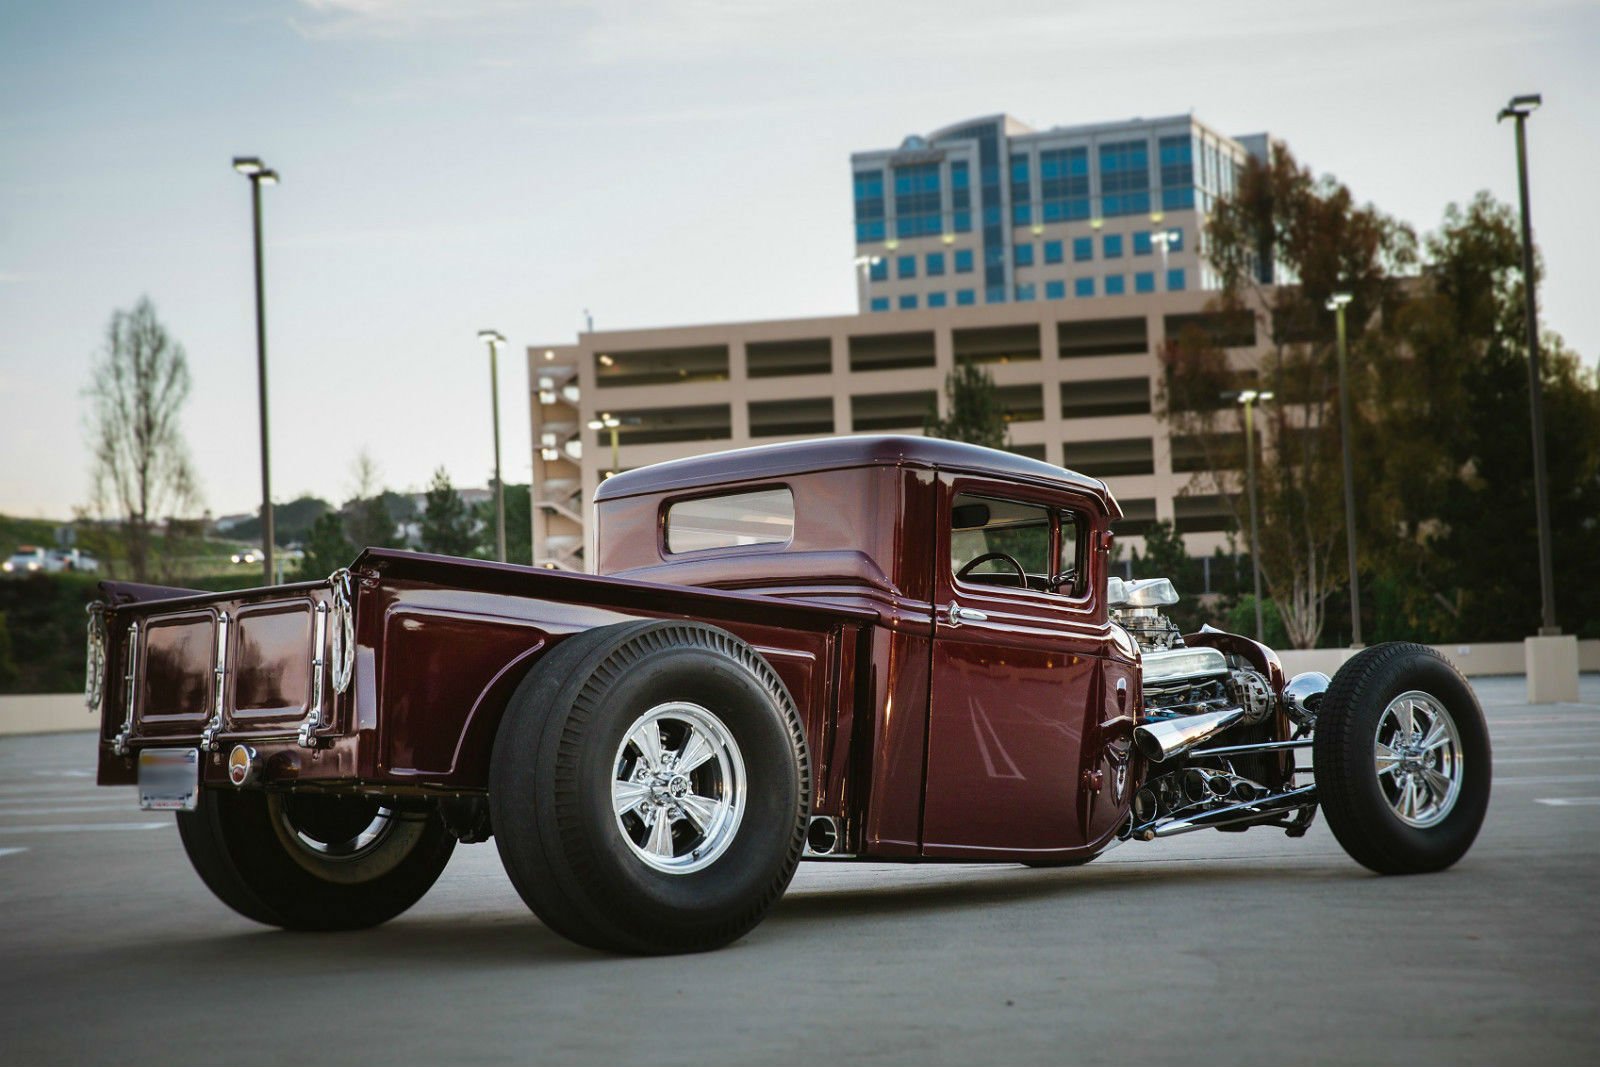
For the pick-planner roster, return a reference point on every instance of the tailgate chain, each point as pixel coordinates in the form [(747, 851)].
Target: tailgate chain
[(342, 652)]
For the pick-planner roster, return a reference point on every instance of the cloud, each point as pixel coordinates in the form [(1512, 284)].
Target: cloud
[(392, 19)]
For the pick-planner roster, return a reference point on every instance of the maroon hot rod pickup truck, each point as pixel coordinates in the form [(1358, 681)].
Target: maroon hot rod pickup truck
[(872, 648)]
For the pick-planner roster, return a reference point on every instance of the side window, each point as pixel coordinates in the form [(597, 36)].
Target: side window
[(991, 538), (735, 519)]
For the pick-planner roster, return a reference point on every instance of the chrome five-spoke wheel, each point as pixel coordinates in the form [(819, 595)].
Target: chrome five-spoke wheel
[(678, 787), (1419, 758)]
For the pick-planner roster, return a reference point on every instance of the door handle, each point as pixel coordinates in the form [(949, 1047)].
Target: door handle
[(959, 615)]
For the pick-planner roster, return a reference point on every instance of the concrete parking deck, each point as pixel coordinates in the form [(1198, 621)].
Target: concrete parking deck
[(1210, 948)]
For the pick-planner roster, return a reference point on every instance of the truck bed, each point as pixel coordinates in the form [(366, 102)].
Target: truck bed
[(439, 645)]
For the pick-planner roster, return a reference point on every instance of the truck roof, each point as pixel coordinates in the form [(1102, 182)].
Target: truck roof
[(834, 453)]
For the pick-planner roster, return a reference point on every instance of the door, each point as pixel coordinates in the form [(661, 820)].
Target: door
[(1018, 671)]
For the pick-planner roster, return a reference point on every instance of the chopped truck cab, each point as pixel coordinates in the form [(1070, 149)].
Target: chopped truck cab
[(871, 648)]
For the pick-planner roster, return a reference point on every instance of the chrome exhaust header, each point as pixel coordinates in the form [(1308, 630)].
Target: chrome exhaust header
[(1161, 741)]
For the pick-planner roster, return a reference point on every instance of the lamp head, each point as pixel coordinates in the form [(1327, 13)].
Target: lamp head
[(1521, 106), (493, 337), (249, 166), (1337, 301), (1247, 396), (267, 177)]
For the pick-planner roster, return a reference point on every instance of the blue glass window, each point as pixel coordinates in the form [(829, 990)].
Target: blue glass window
[(1177, 161), (1052, 251), (1023, 255), (1144, 282), (1175, 281), (965, 297), (961, 197), (936, 300), (963, 261), (879, 271), (1083, 287), (1025, 291), (1114, 286), (1175, 239), (1111, 246), (1055, 290), (905, 267), (1021, 191), (880, 303), (1125, 178), (869, 206), (908, 302), (935, 264), (1064, 184), (1082, 249), (994, 294), (916, 200), (1142, 244), (1181, 199)]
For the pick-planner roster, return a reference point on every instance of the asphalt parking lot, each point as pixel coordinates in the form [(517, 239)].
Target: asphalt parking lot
[(1209, 948)]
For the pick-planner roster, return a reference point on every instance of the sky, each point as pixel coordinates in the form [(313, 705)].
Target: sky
[(450, 165)]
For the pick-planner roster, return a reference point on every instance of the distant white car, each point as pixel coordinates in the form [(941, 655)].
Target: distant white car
[(72, 559), (249, 555), (28, 559)]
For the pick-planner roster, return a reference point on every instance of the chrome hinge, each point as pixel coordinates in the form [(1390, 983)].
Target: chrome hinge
[(208, 736), (119, 744), (319, 661)]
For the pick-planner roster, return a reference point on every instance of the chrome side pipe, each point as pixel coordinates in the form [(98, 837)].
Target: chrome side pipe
[(1161, 741), (1305, 796)]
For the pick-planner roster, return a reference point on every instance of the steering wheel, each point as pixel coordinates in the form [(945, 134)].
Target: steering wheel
[(966, 569)]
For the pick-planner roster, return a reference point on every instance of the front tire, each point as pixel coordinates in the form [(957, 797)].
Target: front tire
[(649, 788), (1402, 760), (313, 862)]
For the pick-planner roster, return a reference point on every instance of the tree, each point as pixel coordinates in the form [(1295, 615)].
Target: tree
[(976, 415), (327, 549), (448, 526), (519, 524), (368, 517), (1453, 497), (141, 463), (1309, 236)]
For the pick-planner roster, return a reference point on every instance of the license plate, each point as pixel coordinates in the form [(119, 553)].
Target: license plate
[(169, 779)]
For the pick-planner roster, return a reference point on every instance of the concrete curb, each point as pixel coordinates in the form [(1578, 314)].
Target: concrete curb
[(45, 713)]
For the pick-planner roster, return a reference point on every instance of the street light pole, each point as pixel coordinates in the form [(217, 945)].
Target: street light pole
[(494, 340), (259, 175), (1248, 398), (1337, 303), (1519, 109)]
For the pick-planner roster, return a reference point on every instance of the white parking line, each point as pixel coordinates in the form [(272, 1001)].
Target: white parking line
[(79, 809), (10, 851), (1498, 761), (1569, 802), (81, 827), (53, 798)]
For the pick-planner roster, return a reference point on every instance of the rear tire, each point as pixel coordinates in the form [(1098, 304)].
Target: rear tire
[(1402, 760), (310, 862), (607, 841)]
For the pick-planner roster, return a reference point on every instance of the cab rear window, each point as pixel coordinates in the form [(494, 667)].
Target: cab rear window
[(763, 517)]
